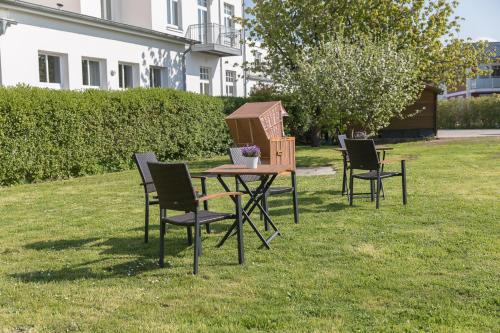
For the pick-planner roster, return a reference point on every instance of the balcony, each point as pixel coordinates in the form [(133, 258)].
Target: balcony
[(485, 83), (215, 39)]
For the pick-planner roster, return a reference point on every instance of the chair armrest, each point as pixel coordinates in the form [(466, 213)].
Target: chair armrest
[(218, 195), (392, 160), (199, 177)]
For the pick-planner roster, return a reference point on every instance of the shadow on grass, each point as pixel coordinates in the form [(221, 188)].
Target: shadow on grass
[(112, 248)]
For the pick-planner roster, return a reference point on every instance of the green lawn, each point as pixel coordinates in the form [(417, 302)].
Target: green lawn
[(72, 256)]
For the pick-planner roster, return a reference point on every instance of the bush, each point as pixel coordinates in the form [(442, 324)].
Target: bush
[(48, 134), (464, 113)]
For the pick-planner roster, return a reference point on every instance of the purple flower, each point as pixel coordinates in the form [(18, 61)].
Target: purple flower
[(250, 151)]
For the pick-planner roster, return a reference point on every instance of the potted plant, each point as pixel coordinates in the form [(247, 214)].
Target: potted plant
[(251, 154)]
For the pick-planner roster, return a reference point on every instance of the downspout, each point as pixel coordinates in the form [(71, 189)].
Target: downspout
[(184, 75), (220, 58), (244, 51)]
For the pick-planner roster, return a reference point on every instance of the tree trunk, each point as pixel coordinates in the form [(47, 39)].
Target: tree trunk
[(316, 136)]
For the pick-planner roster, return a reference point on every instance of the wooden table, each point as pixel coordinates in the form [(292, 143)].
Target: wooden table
[(268, 174), (379, 149)]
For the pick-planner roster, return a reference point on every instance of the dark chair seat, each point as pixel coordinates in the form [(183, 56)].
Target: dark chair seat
[(280, 190), (372, 175), (204, 216)]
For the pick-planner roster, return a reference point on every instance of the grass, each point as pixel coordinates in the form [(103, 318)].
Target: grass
[(72, 256)]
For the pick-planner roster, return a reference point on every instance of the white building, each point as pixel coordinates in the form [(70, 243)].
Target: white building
[(192, 45)]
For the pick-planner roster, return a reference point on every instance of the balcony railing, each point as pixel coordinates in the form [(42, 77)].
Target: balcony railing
[(485, 83), (215, 38)]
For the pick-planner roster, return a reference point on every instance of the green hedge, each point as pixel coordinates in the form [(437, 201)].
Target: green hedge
[(463, 113), (48, 134)]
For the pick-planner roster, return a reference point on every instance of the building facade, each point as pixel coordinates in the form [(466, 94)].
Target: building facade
[(482, 85), (193, 45)]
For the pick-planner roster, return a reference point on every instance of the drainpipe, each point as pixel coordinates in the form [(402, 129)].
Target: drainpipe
[(220, 58), (184, 75), (244, 50)]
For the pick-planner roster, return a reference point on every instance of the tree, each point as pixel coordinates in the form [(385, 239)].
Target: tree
[(362, 85), (287, 28)]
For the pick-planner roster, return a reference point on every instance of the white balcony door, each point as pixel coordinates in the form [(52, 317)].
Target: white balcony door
[(229, 38), (203, 21)]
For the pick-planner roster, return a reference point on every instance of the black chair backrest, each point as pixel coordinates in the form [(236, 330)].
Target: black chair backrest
[(142, 160), (362, 154), (237, 158), (173, 186)]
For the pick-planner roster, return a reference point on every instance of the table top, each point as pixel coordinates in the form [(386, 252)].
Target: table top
[(235, 170), (376, 147)]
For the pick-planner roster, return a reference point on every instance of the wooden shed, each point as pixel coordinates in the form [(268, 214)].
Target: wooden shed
[(261, 124), (421, 125)]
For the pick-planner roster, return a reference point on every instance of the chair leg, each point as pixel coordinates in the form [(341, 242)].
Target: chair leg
[(205, 203), (162, 244), (403, 176), (295, 198), (379, 186), (372, 190), (190, 235), (265, 207), (351, 189), (241, 252), (163, 214), (196, 243), (146, 220), (344, 177)]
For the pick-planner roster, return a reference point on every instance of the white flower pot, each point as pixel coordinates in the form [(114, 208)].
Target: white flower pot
[(251, 162)]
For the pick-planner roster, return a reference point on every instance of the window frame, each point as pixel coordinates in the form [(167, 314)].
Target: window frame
[(47, 82), (107, 10), (231, 83), (204, 81), (171, 18), (100, 67), (152, 76), (121, 76)]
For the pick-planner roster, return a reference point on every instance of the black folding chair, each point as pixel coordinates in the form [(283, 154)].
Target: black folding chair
[(175, 192), (237, 158), (363, 156), (142, 160)]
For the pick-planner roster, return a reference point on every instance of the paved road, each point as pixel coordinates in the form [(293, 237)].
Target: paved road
[(483, 133)]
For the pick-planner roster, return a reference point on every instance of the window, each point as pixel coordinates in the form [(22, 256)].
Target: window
[(495, 71), (155, 77), (173, 12), (125, 75), (205, 88), (228, 15), (106, 9), (49, 68), (230, 83), (258, 58), (203, 21), (230, 37), (91, 71)]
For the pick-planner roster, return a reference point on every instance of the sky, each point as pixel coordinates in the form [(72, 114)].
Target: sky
[(482, 19)]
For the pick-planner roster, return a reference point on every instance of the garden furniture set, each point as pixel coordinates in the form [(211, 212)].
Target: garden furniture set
[(170, 186)]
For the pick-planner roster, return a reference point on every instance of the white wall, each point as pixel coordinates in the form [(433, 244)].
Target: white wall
[(20, 60), (135, 12), (69, 5), (19, 63), (90, 7)]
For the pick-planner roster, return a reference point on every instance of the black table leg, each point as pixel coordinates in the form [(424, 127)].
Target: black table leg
[(246, 214)]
